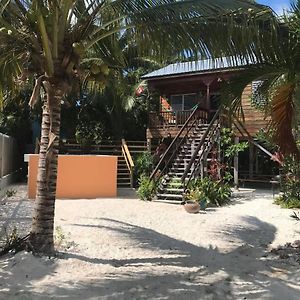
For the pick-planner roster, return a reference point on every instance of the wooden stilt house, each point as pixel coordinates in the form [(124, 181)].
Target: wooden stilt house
[(189, 113)]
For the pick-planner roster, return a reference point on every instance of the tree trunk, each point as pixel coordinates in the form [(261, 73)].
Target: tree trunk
[(41, 236)]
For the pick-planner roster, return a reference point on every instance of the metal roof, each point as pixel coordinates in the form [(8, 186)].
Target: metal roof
[(206, 65)]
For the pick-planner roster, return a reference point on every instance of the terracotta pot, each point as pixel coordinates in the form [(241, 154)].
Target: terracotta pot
[(192, 207)]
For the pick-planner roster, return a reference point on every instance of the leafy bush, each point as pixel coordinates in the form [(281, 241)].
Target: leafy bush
[(287, 203), (214, 192), (89, 133), (147, 188), (290, 184), (143, 165)]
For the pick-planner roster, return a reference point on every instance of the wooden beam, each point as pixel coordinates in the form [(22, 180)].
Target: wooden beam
[(236, 166)]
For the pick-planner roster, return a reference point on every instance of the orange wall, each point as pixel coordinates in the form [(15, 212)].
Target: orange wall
[(79, 176)]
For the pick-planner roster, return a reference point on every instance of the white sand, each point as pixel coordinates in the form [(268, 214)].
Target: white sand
[(129, 249)]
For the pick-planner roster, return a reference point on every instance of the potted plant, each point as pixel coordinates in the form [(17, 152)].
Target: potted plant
[(194, 200)]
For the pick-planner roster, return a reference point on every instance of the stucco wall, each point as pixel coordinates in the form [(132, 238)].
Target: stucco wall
[(79, 176)]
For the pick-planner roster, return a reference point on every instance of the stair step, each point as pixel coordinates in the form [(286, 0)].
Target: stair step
[(122, 179), (168, 196), (123, 185), (174, 190), (175, 185)]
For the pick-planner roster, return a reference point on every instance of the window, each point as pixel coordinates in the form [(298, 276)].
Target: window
[(183, 102)]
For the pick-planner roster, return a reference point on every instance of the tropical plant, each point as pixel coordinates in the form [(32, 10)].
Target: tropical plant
[(144, 164), (215, 192), (147, 188), (275, 69), (290, 184), (62, 43)]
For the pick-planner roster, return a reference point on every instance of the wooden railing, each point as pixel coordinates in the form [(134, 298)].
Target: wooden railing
[(170, 154), (244, 132), (210, 136), (128, 160), (178, 118), (106, 147)]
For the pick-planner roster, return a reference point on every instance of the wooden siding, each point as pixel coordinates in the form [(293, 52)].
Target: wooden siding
[(254, 119)]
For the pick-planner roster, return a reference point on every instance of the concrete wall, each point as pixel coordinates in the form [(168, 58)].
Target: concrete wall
[(79, 176), (8, 160)]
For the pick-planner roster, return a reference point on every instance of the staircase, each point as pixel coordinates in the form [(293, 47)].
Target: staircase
[(188, 157), (123, 175)]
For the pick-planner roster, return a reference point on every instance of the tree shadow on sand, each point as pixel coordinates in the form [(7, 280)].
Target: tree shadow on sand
[(178, 269)]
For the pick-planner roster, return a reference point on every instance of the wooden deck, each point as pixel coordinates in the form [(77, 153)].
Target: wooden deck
[(162, 124)]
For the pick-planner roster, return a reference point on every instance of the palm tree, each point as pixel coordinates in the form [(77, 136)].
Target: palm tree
[(276, 69), (47, 40)]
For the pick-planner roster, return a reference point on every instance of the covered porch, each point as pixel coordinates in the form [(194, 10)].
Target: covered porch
[(182, 88)]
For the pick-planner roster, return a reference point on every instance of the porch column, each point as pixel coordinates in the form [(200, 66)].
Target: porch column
[(208, 95), (236, 166), (207, 83), (251, 160), (256, 161), (149, 140)]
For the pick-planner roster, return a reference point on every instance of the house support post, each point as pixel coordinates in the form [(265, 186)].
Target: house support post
[(256, 161), (236, 166), (251, 160), (149, 144)]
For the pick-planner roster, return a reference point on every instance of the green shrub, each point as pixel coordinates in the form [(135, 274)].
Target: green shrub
[(287, 203), (144, 164), (214, 192), (147, 188), (89, 133), (290, 184)]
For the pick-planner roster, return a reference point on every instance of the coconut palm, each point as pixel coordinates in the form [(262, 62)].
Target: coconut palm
[(47, 41), (277, 73)]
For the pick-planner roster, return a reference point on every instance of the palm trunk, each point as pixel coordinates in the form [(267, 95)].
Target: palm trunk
[(41, 236)]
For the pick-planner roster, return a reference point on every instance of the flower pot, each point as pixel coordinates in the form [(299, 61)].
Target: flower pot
[(202, 204), (192, 207)]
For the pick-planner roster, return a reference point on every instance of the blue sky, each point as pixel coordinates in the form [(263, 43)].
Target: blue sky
[(277, 5)]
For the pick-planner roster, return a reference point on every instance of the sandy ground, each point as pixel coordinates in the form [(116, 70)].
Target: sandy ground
[(129, 249)]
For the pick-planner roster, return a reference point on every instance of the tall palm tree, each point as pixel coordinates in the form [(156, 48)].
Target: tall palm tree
[(277, 72), (46, 40)]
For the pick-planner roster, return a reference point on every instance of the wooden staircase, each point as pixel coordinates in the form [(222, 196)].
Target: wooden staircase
[(187, 157)]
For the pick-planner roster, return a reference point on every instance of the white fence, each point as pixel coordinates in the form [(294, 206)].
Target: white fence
[(8, 159)]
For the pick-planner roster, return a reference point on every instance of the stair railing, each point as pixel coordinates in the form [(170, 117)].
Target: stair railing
[(128, 160), (244, 132), (165, 161), (209, 136)]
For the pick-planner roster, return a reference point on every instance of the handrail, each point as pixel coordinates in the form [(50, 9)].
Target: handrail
[(171, 146), (213, 136), (202, 141), (128, 160), (250, 138)]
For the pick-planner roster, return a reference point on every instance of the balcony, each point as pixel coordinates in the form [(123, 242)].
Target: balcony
[(169, 119)]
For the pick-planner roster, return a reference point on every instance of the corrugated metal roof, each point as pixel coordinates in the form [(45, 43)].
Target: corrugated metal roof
[(206, 65)]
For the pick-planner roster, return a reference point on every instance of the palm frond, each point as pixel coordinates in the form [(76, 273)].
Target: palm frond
[(283, 117)]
